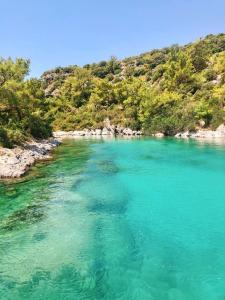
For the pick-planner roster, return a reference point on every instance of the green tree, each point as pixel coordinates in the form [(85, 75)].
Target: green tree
[(77, 88)]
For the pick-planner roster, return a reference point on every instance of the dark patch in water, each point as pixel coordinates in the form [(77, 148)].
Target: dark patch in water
[(108, 167), (11, 192), (77, 284), (6, 284), (109, 208), (29, 215), (39, 236), (194, 162), (38, 277), (149, 157), (77, 183), (99, 267)]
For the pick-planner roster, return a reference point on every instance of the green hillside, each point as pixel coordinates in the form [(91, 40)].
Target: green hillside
[(168, 90)]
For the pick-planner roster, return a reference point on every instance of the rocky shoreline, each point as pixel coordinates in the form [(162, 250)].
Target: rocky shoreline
[(219, 133), (15, 162), (113, 131)]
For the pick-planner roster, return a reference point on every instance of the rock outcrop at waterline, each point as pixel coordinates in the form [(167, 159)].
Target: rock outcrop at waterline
[(112, 131), (15, 162), (204, 133)]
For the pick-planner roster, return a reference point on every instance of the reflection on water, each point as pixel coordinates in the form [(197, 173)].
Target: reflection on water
[(117, 219)]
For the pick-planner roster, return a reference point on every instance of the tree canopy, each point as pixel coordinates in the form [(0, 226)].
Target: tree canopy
[(22, 104)]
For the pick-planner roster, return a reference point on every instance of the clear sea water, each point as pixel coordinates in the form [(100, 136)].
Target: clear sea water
[(117, 220)]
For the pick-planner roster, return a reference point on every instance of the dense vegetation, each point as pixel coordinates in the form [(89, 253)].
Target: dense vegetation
[(23, 106), (168, 90)]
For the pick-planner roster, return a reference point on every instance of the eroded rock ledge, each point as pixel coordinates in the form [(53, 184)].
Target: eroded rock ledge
[(15, 162)]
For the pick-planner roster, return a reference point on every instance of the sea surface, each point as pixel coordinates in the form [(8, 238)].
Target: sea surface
[(139, 219)]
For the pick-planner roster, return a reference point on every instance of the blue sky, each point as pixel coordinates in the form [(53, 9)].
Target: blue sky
[(65, 32)]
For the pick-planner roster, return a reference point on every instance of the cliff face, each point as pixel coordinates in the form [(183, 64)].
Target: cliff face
[(53, 79)]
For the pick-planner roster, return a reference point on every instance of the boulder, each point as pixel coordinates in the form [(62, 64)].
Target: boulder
[(202, 123), (139, 132), (178, 135), (98, 131), (221, 129), (119, 129), (93, 132), (185, 134), (79, 133), (128, 131), (87, 132), (159, 134), (105, 131)]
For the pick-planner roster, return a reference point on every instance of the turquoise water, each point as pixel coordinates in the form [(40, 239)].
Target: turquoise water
[(117, 219)]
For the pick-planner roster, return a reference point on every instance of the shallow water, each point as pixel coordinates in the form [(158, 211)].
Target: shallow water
[(117, 219)]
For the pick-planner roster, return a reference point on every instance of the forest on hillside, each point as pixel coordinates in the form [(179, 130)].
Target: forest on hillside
[(165, 90)]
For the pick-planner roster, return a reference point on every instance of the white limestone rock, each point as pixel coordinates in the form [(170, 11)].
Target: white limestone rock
[(15, 162), (159, 135)]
